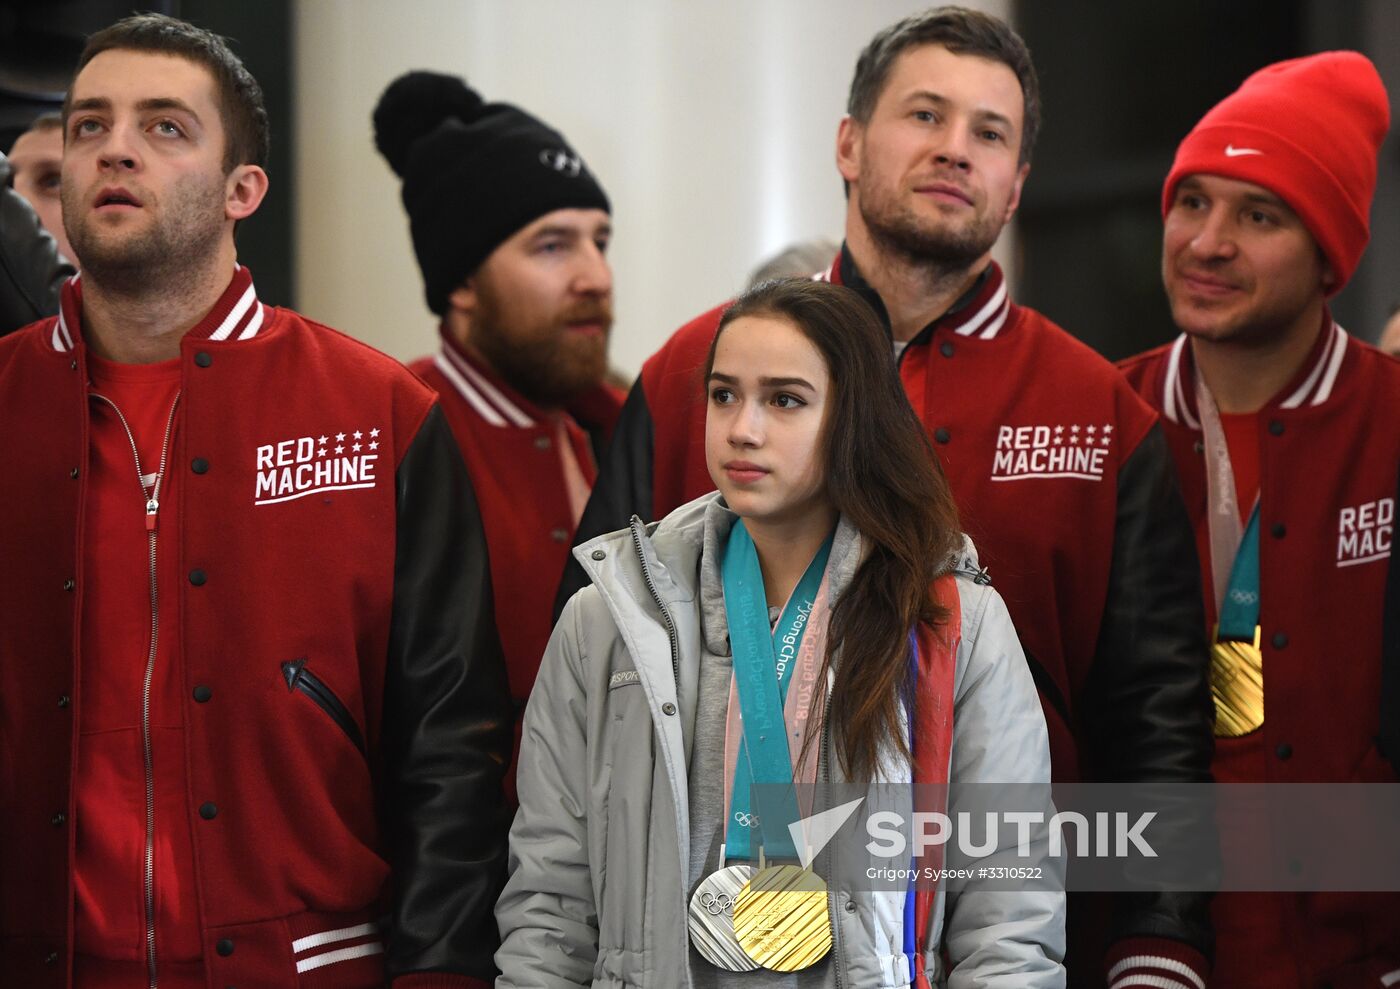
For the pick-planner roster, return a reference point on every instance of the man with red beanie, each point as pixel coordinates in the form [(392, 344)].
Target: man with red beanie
[(1284, 434), (511, 232)]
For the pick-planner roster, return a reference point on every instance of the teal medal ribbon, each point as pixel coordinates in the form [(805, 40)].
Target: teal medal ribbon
[(763, 661), (1236, 659), (1239, 609)]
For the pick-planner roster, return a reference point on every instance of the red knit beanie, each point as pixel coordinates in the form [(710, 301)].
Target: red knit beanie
[(1308, 130)]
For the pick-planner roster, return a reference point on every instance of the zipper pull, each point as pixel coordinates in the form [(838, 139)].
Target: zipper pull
[(152, 509)]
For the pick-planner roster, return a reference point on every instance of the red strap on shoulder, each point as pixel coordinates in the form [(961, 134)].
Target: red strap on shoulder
[(933, 740)]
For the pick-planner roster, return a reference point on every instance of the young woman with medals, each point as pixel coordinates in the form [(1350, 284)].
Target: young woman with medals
[(818, 618)]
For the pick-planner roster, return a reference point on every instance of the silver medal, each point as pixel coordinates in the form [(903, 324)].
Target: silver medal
[(712, 919)]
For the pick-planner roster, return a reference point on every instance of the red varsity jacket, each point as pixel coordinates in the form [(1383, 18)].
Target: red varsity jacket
[(1329, 450), (510, 447), (346, 717)]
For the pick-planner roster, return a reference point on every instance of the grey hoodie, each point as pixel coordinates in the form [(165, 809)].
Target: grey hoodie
[(600, 848)]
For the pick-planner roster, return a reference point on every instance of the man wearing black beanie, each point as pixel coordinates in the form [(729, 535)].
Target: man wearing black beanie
[(510, 229)]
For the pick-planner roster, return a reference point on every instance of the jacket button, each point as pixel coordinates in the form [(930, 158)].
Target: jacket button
[(51, 958), (199, 465), (63, 700), (668, 708), (59, 819), (73, 365), (208, 811), (1279, 530), (1275, 427), (73, 473), (1280, 640), (69, 584), (1198, 446), (941, 434), (598, 554), (559, 535), (224, 946), (1284, 751), (197, 578), (946, 348), (542, 443), (203, 359), (850, 906), (202, 694)]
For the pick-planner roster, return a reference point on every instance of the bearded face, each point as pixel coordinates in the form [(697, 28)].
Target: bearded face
[(539, 308), (935, 173)]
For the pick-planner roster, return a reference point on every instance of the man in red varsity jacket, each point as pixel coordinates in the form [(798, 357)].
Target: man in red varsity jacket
[(1281, 423), (511, 230), (253, 716), (1062, 474)]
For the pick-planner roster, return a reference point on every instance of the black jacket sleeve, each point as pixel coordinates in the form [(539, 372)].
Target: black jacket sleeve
[(1148, 711), (447, 722), (31, 269), (623, 488)]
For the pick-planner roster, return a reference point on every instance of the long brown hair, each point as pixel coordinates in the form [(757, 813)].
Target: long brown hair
[(883, 476)]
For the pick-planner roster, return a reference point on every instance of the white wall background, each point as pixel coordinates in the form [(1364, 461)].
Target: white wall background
[(710, 123)]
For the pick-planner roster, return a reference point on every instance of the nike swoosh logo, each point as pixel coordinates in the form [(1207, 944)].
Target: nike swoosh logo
[(1233, 152)]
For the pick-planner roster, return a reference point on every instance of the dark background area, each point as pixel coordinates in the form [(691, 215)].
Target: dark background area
[(40, 41), (1121, 84)]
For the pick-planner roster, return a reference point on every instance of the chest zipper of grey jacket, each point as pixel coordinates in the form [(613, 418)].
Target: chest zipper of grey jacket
[(636, 526), (152, 516)]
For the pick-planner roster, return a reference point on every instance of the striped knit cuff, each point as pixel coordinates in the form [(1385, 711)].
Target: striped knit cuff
[(1155, 963)]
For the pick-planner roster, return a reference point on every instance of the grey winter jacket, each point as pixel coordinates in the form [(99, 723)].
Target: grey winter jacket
[(599, 849)]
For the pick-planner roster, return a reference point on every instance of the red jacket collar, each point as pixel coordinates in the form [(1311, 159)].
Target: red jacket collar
[(980, 313), (482, 388), (501, 405), (1312, 385), (238, 315)]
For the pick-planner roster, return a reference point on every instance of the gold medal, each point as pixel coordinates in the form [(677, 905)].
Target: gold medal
[(781, 919), (1237, 685)]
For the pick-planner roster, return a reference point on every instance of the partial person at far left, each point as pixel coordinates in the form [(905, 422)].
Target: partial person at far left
[(253, 705), (36, 161)]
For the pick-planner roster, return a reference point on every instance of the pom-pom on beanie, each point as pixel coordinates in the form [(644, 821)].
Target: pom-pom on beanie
[(473, 173)]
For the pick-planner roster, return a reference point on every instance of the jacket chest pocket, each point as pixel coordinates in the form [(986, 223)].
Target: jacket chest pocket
[(301, 680)]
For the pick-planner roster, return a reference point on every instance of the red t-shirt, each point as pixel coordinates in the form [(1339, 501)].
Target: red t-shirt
[(1242, 438), (117, 624)]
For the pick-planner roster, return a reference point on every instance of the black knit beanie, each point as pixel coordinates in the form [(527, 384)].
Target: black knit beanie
[(473, 173)]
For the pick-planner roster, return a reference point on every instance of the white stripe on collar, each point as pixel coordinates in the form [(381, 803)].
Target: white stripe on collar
[(62, 341), (62, 336), (990, 318), (1315, 389), (486, 398), (1174, 404), (1323, 376), (235, 315), (254, 324), (246, 317)]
